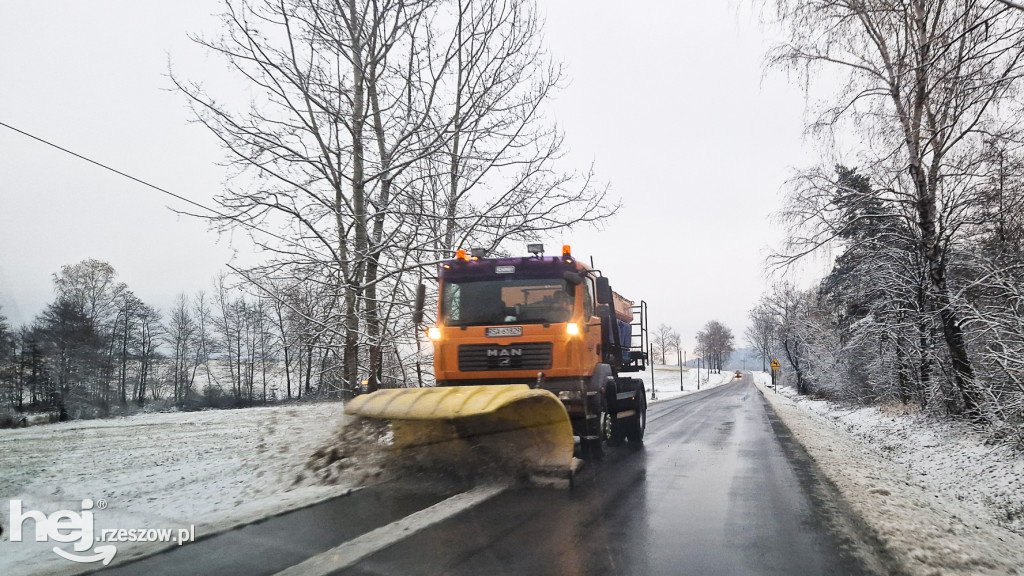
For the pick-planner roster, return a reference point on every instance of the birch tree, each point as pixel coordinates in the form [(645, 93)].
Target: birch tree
[(924, 83)]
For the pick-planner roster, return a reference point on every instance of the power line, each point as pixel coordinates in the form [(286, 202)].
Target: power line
[(144, 183)]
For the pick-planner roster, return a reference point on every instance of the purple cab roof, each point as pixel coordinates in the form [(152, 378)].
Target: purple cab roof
[(522, 267)]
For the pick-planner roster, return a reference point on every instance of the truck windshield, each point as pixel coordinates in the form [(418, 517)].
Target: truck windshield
[(512, 301)]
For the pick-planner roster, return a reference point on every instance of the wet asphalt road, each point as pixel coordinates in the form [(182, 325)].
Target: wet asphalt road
[(719, 488)]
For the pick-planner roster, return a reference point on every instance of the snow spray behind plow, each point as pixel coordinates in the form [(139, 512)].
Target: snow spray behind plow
[(511, 427)]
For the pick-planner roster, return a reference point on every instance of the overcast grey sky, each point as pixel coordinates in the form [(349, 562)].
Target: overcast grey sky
[(667, 99)]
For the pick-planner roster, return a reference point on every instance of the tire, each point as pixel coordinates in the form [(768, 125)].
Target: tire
[(637, 425), (593, 449), (618, 432)]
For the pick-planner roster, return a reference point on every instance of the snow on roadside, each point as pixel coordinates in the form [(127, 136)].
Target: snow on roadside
[(666, 377), (214, 469), (908, 479), (948, 457)]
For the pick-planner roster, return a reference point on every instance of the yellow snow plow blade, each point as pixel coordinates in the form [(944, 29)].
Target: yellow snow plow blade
[(512, 422)]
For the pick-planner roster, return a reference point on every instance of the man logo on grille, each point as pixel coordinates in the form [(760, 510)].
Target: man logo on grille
[(500, 352), (504, 355)]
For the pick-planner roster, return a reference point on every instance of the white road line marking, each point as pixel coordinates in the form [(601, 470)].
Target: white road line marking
[(356, 549)]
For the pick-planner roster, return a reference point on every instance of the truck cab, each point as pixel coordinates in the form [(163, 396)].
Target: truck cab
[(550, 322)]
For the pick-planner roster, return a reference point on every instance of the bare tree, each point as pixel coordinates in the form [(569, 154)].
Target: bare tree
[(788, 306), (182, 337), (716, 342), (924, 84), (761, 333), (381, 136), (92, 285), (149, 333), (663, 339), (280, 317), (10, 386), (129, 311), (71, 351), (674, 342), (229, 326), (205, 341)]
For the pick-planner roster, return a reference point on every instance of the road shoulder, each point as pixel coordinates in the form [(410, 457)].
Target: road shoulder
[(925, 533)]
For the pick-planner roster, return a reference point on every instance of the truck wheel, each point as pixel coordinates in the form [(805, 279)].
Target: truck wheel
[(618, 431), (593, 448), (637, 425)]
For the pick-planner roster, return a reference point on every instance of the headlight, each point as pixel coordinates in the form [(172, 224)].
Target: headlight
[(572, 328), (568, 395), (434, 333)]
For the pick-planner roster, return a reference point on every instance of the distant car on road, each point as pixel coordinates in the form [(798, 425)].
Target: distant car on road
[(739, 375)]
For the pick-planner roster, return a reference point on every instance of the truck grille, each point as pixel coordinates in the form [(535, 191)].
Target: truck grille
[(522, 356)]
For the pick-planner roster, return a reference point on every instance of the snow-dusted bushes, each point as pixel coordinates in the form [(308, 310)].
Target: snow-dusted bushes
[(994, 309), (845, 346)]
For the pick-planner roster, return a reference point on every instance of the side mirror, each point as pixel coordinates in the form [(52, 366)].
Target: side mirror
[(602, 310), (604, 290), (573, 278), (417, 313)]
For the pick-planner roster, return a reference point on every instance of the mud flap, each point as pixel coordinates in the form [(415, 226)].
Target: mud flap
[(511, 425)]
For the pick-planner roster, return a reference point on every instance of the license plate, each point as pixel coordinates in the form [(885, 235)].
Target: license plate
[(504, 331)]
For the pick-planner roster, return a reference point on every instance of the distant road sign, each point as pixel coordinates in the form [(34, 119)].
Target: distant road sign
[(775, 364)]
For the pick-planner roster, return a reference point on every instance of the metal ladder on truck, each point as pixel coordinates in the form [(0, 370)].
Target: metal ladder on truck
[(640, 344)]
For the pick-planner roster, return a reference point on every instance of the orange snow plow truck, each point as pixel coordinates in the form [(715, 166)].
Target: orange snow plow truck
[(529, 356)]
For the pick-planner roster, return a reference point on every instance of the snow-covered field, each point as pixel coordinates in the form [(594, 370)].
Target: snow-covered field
[(211, 469), (667, 380), (935, 495)]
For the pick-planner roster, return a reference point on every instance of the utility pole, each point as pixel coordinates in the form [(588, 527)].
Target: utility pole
[(679, 361), (650, 354)]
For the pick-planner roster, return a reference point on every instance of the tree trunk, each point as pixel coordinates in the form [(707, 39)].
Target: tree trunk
[(938, 292), (354, 266), (963, 372)]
